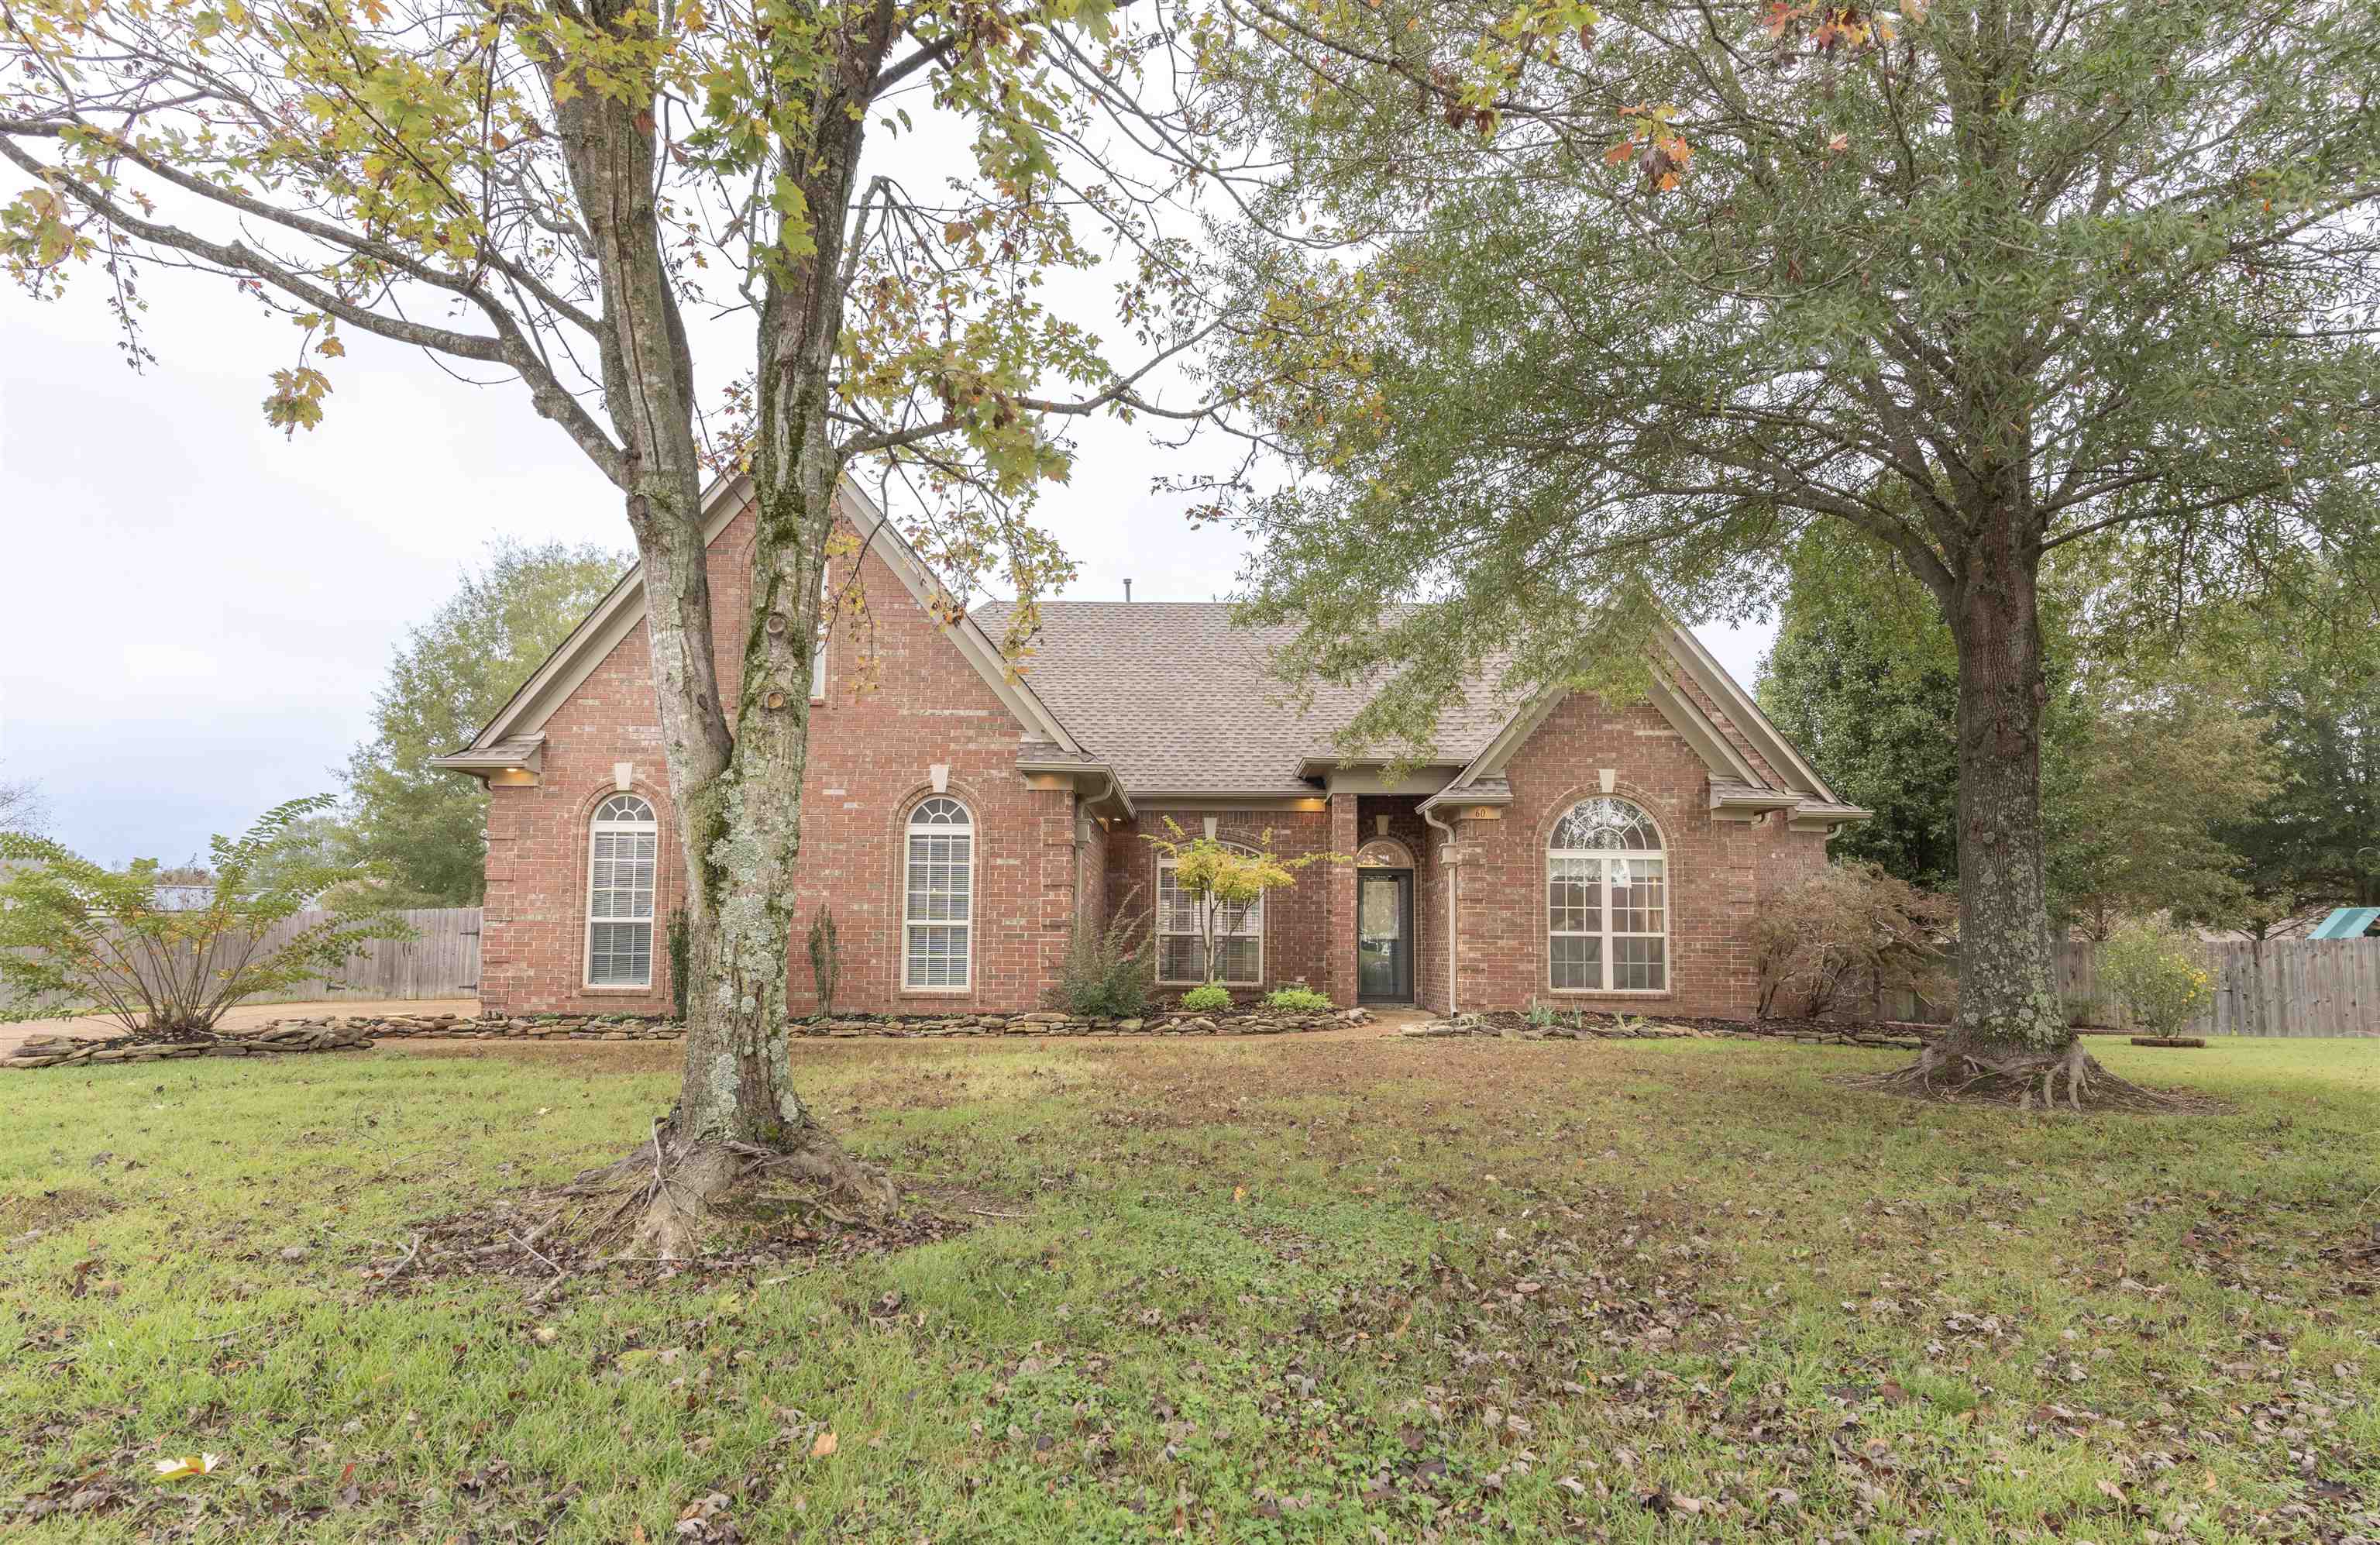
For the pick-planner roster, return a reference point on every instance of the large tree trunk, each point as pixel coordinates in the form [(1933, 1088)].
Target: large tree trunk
[(736, 788), (2010, 1040), (2008, 1005), (739, 1094)]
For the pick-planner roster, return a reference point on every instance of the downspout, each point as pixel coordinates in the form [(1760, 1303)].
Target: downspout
[(1453, 872)]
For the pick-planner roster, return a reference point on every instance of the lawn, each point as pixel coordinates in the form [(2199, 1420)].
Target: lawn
[(1291, 1290)]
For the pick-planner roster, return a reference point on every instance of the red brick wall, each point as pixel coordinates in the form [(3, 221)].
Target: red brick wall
[(1716, 870), (869, 763), (870, 757), (1295, 922)]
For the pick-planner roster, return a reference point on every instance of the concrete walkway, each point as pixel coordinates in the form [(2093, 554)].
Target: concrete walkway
[(243, 1016)]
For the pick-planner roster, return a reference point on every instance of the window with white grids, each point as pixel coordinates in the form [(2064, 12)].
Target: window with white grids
[(1182, 948), (938, 914), (1606, 901), (623, 845)]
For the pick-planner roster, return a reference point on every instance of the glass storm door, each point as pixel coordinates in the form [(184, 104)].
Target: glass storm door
[(1384, 956)]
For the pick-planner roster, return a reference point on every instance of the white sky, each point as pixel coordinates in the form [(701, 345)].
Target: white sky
[(195, 611)]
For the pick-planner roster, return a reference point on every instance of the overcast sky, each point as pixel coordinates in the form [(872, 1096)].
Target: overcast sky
[(195, 611)]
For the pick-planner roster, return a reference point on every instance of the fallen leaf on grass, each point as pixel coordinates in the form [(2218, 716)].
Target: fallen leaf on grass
[(825, 1446), (188, 1465)]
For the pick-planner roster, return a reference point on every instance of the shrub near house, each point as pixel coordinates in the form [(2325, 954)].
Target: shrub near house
[(970, 823)]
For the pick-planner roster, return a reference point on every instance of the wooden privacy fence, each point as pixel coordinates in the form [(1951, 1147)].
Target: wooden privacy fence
[(2281, 986), (441, 961)]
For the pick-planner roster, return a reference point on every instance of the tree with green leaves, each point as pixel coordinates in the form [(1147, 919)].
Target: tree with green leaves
[(1576, 322), (427, 829), (78, 938), (558, 192), (2312, 677), (2146, 758), (1864, 680), (1218, 883), (2134, 824)]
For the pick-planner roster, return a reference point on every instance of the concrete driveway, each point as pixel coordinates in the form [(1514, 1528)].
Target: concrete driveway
[(243, 1016)]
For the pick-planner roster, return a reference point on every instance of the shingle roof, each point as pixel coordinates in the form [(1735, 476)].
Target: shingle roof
[(1177, 700)]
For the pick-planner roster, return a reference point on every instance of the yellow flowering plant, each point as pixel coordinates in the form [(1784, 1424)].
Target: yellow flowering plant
[(2157, 975)]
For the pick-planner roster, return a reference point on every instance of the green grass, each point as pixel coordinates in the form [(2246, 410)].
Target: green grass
[(1278, 1290)]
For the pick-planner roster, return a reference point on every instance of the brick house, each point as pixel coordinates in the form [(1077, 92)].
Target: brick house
[(962, 816)]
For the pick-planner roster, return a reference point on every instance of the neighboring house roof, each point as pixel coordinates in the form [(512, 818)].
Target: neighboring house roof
[(1170, 698), (2348, 922)]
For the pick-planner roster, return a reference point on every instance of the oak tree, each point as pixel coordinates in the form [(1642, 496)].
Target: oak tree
[(1578, 320)]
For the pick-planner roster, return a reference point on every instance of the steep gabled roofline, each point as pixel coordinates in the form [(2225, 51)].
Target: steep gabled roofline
[(1727, 765), (619, 611), (1717, 753), (1724, 689)]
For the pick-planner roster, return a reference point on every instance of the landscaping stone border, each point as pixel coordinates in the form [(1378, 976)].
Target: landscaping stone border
[(624, 1027), (1510, 1024), (276, 1039)]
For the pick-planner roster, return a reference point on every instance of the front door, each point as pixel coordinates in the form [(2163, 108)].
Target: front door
[(1384, 956)]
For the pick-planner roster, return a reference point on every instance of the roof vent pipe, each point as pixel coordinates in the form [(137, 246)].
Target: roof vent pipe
[(1127, 590)]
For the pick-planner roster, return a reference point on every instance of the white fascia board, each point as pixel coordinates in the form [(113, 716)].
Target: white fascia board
[(596, 636), (1690, 722), (1489, 762), (616, 616), (1724, 689), (973, 643), (1718, 752), (1456, 794)]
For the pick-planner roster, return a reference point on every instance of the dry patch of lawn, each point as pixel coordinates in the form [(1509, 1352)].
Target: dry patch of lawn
[(1266, 1290)]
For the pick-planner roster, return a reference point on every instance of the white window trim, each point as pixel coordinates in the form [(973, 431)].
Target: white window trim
[(1264, 921), (975, 855), (1603, 907), (596, 826), (1405, 853)]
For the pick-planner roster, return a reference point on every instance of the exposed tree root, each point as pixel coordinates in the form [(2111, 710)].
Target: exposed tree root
[(2071, 1079), (657, 1202)]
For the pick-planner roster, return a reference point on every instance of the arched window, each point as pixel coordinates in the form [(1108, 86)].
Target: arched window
[(1606, 900), (622, 842), (1182, 943), (1383, 853), (938, 917)]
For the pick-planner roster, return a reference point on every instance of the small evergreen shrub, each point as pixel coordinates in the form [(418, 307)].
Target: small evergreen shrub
[(1297, 1000), (1213, 998), (2156, 974), (1107, 975)]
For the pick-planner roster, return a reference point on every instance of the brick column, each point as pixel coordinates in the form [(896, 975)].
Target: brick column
[(1339, 921), (1059, 889)]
